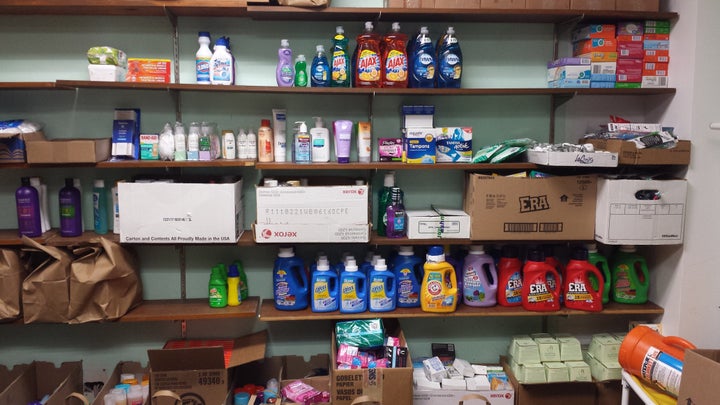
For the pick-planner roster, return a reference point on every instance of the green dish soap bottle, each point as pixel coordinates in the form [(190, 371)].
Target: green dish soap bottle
[(630, 277), (217, 288)]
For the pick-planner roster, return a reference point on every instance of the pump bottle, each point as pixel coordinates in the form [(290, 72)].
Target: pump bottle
[(320, 139)]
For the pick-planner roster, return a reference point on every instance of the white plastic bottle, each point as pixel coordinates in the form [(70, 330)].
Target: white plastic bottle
[(180, 142), (202, 58), (242, 144), (221, 64), (320, 141), (228, 147), (193, 142), (252, 145)]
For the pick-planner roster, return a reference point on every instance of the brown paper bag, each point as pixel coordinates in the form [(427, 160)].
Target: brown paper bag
[(104, 282), (12, 274), (304, 3), (45, 292)]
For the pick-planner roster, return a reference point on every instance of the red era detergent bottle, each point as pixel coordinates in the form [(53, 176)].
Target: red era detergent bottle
[(536, 292), (510, 280), (577, 289), (630, 277), (552, 260), (290, 281), (598, 260)]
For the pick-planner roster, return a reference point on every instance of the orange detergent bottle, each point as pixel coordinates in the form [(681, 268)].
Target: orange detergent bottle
[(439, 287), (577, 288), (537, 294), (394, 59), (368, 64), (655, 358)]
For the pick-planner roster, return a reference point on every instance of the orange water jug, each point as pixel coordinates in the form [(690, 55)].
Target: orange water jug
[(655, 358)]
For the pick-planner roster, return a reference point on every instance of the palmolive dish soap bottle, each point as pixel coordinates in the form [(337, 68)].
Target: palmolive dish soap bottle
[(368, 64), (599, 261), (536, 292), (510, 279), (394, 58), (577, 288), (438, 292), (285, 72)]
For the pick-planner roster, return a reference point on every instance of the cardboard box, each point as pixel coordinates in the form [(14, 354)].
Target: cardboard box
[(454, 397), (700, 377), (640, 212), (8, 375), (200, 371), (576, 393), (13, 146), (131, 367), (148, 70), (547, 4), (557, 158), (312, 233), (512, 208), (395, 3), (637, 5), (502, 3), (386, 385), (438, 223), (68, 151), (592, 4), (608, 392), (162, 212), (41, 378), (628, 154)]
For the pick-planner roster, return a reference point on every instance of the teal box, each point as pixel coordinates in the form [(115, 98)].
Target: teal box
[(419, 145), (363, 333), (149, 146), (453, 144)]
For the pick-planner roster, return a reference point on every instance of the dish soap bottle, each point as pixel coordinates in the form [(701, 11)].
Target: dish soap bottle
[(449, 60), (301, 79), (394, 57), (319, 69), (320, 139), (284, 73), (367, 64), (422, 71), (340, 76)]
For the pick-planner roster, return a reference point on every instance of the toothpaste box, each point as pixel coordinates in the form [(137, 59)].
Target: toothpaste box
[(630, 28), (600, 56), (657, 24), (629, 38), (655, 69), (568, 61), (629, 66), (568, 72), (419, 145), (594, 45), (654, 82), (570, 84), (656, 44), (656, 55), (593, 31), (602, 85), (630, 50), (603, 72), (627, 85), (390, 149), (453, 144), (657, 30), (657, 37), (149, 146), (628, 78), (126, 133)]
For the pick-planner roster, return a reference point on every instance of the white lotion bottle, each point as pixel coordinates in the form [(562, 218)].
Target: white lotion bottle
[(320, 142)]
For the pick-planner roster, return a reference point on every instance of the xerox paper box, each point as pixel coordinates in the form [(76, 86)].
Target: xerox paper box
[(640, 212), (513, 208), (200, 372), (161, 212)]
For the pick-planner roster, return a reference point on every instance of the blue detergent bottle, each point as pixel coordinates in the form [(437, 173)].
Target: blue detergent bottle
[(325, 286), (367, 264), (449, 61), (408, 270), (290, 282), (353, 289), (422, 71), (382, 288)]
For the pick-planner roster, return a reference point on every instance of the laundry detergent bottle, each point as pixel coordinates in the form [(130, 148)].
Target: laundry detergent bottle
[(510, 279), (480, 281), (578, 290), (598, 260), (382, 288), (537, 295), (290, 282), (438, 292), (353, 289), (408, 274), (325, 287), (630, 276)]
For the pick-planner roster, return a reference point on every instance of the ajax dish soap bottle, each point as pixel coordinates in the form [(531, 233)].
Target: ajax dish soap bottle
[(480, 281), (353, 289), (284, 72), (382, 288), (367, 65), (408, 270), (289, 281), (537, 295), (598, 260), (340, 68), (325, 288), (438, 292), (449, 60), (630, 276), (320, 69), (394, 58), (578, 289)]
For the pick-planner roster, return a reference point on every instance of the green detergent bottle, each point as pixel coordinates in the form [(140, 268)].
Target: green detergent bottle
[(243, 285), (217, 288), (598, 260), (630, 277)]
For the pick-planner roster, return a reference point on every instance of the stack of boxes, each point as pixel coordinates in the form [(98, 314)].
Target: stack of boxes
[(597, 43), (541, 358), (630, 54), (602, 356), (656, 53)]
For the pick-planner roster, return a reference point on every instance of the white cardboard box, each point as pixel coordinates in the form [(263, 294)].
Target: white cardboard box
[(180, 212), (439, 223), (640, 212), (322, 205), (312, 233), (454, 397), (557, 158)]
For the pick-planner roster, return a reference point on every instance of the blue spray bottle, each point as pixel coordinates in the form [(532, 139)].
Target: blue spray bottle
[(290, 282), (422, 71), (408, 270), (449, 60)]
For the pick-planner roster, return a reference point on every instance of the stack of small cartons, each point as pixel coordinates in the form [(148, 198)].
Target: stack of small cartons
[(602, 356), (546, 358)]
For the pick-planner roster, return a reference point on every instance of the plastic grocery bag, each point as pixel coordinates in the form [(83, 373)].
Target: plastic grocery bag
[(12, 274)]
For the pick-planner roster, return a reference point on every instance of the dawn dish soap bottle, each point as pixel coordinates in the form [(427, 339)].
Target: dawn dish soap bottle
[(367, 64), (325, 288), (449, 60), (438, 292), (284, 72), (289, 281), (422, 70), (382, 288), (320, 69), (340, 68), (409, 274)]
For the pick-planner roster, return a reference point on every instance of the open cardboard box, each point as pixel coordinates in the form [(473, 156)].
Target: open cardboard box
[(700, 377), (43, 378), (8, 375), (13, 146), (201, 371), (123, 367), (628, 154), (68, 150)]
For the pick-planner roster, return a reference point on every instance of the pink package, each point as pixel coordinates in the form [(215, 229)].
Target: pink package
[(298, 391), (392, 341), (346, 353)]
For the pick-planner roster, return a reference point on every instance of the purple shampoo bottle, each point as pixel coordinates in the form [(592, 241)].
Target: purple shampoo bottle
[(28, 209), (70, 210)]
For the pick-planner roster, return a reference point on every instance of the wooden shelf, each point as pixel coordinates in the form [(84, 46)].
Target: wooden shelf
[(395, 166), (87, 236), (268, 313), (383, 240), (188, 310), (10, 237), (154, 164), (27, 85)]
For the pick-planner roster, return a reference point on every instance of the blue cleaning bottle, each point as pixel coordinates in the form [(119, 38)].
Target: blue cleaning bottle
[(353, 289), (449, 61), (422, 71), (290, 282), (408, 270), (320, 69), (369, 262), (325, 288), (382, 288)]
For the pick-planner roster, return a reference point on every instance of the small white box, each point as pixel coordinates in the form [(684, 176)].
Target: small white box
[(478, 383), (640, 212), (161, 212), (107, 73), (464, 367), (453, 384), (439, 223), (557, 158), (434, 369), (421, 381)]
